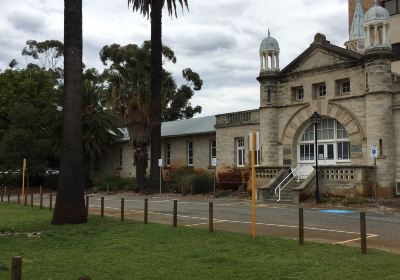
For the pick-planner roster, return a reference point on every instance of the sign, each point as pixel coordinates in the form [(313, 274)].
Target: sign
[(214, 162), (160, 162), (374, 151), (257, 141)]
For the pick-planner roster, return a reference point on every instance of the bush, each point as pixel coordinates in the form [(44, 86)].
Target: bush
[(188, 180), (232, 179), (202, 183), (114, 184)]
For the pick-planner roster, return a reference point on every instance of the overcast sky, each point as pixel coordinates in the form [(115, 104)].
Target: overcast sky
[(219, 39)]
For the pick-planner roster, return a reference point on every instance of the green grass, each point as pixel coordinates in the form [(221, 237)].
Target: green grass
[(107, 249)]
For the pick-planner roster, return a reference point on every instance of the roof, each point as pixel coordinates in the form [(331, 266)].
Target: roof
[(376, 13), (182, 127), (269, 43), (187, 127), (357, 29)]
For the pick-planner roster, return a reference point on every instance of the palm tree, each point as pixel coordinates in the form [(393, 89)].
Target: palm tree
[(70, 204), (154, 9)]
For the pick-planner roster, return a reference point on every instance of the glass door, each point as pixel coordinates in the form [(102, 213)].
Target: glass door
[(326, 153)]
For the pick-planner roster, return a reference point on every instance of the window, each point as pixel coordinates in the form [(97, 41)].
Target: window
[(396, 51), (326, 129), (343, 86), (168, 154), (213, 149), (190, 153), (321, 90), (240, 160), (343, 150), (298, 93), (341, 131), (306, 152), (257, 158), (269, 96), (120, 157)]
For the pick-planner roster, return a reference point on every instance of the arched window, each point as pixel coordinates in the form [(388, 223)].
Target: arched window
[(333, 143)]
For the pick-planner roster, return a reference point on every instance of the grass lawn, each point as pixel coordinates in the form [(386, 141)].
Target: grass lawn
[(107, 249)]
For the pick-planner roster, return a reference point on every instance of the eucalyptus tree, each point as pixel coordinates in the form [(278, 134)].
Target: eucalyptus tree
[(153, 8)]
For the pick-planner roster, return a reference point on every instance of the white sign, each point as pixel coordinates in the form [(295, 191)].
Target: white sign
[(214, 162), (374, 151), (257, 141), (160, 162)]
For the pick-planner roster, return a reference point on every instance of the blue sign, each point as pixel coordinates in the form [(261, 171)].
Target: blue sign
[(336, 211)]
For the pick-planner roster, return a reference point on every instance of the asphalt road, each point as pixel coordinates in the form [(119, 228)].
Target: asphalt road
[(383, 229)]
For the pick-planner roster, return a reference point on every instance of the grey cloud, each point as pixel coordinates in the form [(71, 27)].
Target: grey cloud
[(27, 22)]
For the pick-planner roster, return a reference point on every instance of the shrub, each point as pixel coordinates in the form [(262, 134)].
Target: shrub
[(232, 179), (114, 183), (202, 183)]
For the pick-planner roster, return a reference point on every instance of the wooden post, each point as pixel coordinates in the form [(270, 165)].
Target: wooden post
[(146, 211), (210, 217), (122, 209), (26, 199), (18, 198), (51, 201), (87, 206), (16, 268), (32, 199), (102, 207), (301, 227), (2, 195), (363, 231), (175, 216)]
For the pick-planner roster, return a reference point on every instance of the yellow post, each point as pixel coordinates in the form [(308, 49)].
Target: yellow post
[(23, 179), (253, 208)]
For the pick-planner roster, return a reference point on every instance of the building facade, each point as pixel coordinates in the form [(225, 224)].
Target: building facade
[(355, 89)]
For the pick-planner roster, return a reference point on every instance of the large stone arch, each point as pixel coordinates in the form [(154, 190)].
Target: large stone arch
[(330, 109)]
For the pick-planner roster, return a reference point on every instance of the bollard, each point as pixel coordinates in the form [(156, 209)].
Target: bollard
[(87, 206), (16, 268), (102, 207), (122, 209), (19, 198), (41, 198), (175, 216), (210, 217), (8, 196), (26, 199), (32, 199), (146, 211), (363, 230), (301, 227), (2, 195), (51, 201)]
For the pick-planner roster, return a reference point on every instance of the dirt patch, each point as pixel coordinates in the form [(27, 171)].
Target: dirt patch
[(27, 234)]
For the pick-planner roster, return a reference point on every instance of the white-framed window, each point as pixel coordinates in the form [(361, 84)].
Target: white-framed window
[(213, 149), (168, 154), (190, 153), (321, 90), (333, 143), (240, 153), (345, 86), (299, 94)]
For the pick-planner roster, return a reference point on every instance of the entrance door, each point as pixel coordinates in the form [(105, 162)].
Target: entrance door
[(326, 153)]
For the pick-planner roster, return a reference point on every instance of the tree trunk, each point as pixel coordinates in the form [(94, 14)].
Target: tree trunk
[(141, 165), (70, 204), (155, 109)]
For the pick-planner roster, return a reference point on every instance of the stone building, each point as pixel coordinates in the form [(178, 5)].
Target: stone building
[(355, 89)]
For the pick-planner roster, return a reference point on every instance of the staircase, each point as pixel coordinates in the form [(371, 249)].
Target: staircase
[(287, 195)]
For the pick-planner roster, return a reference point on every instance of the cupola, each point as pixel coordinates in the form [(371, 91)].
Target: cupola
[(269, 54), (376, 27)]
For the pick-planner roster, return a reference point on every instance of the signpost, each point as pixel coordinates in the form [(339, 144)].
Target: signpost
[(214, 164), (374, 155), (160, 164), (23, 178), (253, 208)]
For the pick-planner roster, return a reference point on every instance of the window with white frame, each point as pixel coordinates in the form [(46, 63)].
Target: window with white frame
[(168, 154), (344, 86), (240, 159), (333, 142), (321, 90), (190, 153), (213, 149), (299, 94)]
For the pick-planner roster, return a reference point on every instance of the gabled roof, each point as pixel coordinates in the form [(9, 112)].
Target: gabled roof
[(188, 127), (177, 128), (321, 43)]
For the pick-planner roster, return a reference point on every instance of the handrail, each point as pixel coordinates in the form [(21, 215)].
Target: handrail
[(296, 173)]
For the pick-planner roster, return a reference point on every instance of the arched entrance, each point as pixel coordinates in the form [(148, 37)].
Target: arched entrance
[(333, 144)]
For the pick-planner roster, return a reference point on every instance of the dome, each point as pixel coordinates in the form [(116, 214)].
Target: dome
[(269, 43), (376, 13)]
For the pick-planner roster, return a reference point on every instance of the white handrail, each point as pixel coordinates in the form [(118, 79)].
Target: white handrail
[(296, 173)]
